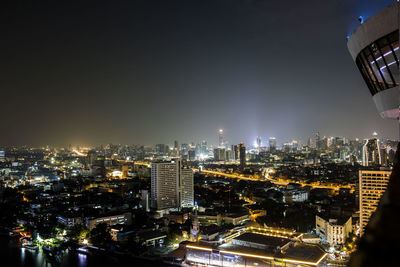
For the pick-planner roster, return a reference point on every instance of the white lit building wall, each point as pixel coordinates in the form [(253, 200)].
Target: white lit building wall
[(372, 185)]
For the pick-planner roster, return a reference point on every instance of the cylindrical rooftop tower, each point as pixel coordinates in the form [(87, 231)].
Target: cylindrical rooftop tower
[(374, 46)]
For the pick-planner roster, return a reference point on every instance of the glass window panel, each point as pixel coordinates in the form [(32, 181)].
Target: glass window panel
[(379, 65), (366, 76), (392, 67), (378, 87), (393, 37)]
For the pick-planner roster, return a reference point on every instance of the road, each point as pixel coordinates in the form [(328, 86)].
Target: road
[(267, 178)]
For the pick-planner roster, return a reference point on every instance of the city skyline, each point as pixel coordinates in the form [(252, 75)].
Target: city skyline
[(202, 132), (140, 72)]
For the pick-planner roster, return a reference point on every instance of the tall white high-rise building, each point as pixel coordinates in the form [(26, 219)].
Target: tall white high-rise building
[(186, 191), (371, 154), (373, 184), (221, 141), (171, 185)]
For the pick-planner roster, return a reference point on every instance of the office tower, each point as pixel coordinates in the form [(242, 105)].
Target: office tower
[(219, 154), (2, 156), (317, 141), (197, 151), (204, 148), (258, 142), (229, 155), (384, 157), (91, 157), (310, 142), (162, 149), (323, 143), (192, 155), (221, 142), (176, 148), (371, 155), (184, 149), (145, 200), (171, 185), (272, 144), (186, 191), (372, 185), (330, 141), (242, 156), (294, 145)]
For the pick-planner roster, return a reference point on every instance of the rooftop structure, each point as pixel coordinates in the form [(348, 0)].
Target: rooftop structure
[(253, 249), (374, 46)]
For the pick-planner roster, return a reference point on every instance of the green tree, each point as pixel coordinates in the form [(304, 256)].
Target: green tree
[(79, 233), (100, 235)]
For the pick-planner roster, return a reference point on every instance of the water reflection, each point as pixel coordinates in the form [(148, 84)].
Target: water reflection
[(82, 260), (12, 254)]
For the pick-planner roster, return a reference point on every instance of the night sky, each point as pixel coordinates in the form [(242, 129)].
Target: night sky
[(147, 71)]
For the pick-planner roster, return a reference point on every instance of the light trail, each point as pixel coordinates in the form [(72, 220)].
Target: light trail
[(264, 179)]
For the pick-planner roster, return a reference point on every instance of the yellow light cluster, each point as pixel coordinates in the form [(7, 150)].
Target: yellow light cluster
[(259, 256)]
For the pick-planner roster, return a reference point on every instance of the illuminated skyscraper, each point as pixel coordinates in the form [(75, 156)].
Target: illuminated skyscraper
[(317, 141), (221, 142), (258, 142), (235, 149), (219, 154), (310, 142), (171, 185), (372, 185), (371, 153), (272, 144), (204, 147), (242, 156), (176, 148)]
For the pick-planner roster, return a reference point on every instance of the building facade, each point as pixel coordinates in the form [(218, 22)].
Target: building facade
[(186, 191), (171, 185), (372, 185), (122, 218), (272, 144), (335, 231), (242, 156), (371, 153), (219, 154)]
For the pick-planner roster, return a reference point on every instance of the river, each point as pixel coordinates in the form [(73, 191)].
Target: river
[(11, 254)]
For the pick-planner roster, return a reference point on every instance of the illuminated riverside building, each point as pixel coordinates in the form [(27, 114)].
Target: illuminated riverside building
[(122, 218), (373, 184), (251, 249), (171, 185), (374, 46)]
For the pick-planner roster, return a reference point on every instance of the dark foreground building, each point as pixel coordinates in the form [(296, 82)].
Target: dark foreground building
[(374, 46)]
